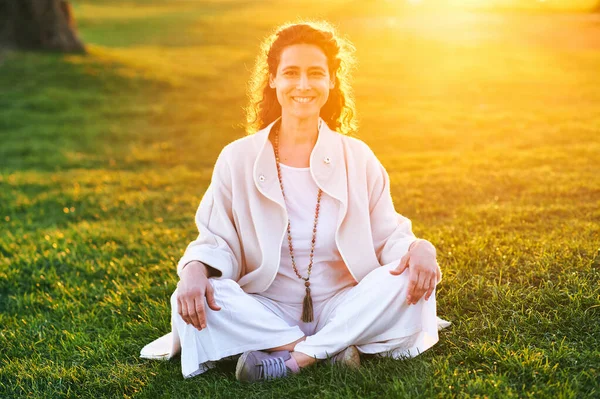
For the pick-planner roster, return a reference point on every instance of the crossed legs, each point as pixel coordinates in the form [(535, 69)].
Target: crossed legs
[(373, 315)]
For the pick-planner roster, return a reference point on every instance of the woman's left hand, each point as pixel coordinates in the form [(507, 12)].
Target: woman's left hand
[(423, 268)]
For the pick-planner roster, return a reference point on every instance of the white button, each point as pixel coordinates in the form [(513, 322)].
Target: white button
[(327, 160), (261, 178)]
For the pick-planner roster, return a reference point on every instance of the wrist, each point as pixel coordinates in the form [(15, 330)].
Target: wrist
[(422, 244), (196, 265)]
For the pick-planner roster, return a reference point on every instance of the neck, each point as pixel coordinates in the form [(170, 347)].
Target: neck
[(294, 131)]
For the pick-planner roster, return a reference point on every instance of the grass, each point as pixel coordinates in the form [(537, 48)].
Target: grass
[(489, 126)]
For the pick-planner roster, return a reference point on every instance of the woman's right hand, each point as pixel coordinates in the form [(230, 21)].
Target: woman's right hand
[(193, 286)]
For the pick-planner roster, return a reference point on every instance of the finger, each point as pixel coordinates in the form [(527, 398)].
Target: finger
[(199, 310), (418, 295), (431, 288), (421, 295), (419, 288), (423, 283), (193, 313), (182, 310), (210, 298), (414, 298), (401, 266), (412, 284)]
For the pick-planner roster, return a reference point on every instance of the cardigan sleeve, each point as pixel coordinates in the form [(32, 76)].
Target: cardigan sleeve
[(392, 233), (218, 243)]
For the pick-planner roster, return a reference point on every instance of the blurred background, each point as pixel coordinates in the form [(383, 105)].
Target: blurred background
[(168, 73), (486, 115)]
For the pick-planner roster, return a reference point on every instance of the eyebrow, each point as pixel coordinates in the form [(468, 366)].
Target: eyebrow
[(309, 68)]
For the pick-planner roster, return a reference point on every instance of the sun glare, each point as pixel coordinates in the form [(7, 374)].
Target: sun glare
[(507, 4)]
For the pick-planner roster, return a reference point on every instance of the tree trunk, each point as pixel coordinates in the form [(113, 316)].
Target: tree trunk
[(38, 25)]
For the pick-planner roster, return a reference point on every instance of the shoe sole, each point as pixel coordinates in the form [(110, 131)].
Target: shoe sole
[(240, 365), (351, 358)]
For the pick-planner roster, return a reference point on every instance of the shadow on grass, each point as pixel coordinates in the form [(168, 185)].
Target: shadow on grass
[(95, 112), (57, 115), (155, 23)]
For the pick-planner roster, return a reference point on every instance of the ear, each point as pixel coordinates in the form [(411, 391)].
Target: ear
[(271, 81), (331, 84)]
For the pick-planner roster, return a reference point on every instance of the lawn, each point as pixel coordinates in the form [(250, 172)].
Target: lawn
[(488, 124)]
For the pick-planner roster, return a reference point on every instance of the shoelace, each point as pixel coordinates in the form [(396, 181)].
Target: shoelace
[(273, 367)]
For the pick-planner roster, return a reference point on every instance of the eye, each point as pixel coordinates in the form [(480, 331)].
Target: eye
[(289, 73), (317, 73)]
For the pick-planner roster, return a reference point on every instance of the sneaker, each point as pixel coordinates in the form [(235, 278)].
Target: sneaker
[(349, 357), (261, 366)]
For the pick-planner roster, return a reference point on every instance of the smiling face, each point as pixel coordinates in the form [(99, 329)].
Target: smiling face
[(302, 81)]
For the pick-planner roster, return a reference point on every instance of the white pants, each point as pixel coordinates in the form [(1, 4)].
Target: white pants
[(373, 315)]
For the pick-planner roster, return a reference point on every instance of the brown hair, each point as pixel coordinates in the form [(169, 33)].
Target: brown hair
[(339, 110)]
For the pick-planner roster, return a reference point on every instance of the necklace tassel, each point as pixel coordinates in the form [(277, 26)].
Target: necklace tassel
[(307, 308), (307, 304)]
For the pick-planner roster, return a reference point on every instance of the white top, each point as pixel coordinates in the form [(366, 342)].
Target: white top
[(329, 273)]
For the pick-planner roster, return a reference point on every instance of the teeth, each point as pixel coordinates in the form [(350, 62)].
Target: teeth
[(302, 99)]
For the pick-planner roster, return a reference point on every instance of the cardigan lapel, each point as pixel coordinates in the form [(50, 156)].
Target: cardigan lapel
[(327, 166), (265, 168)]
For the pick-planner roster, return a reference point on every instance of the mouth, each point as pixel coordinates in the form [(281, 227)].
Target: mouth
[(303, 100)]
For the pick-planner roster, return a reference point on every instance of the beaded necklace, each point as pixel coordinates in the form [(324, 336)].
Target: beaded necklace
[(307, 305)]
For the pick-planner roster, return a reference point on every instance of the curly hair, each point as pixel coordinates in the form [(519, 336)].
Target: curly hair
[(339, 111)]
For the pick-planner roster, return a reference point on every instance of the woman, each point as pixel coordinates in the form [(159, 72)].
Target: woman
[(301, 255)]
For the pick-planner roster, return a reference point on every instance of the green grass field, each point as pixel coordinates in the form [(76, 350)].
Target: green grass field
[(489, 126)]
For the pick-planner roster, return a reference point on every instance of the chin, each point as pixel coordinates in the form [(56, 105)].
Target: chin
[(305, 113)]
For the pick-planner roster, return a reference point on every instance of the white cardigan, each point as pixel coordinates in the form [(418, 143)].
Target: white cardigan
[(242, 217)]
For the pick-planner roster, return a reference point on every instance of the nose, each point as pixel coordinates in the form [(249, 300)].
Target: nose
[(303, 82)]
